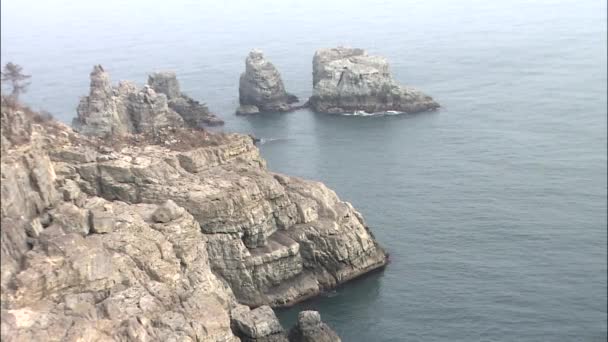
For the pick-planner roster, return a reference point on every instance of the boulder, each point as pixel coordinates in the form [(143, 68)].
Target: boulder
[(260, 324), (310, 328), (166, 212)]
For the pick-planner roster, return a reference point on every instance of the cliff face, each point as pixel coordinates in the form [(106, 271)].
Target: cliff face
[(77, 267), (160, 236), (125, 109), (261, 87), (347, 80)]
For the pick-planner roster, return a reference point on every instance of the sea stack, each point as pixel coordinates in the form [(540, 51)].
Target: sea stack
[(348, 80), (125, 109), (195, 114), (261, 88)]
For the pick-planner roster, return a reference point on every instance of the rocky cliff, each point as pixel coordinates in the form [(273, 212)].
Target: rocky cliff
[(161, 235), (261, 88), (348, 80), (126, 109)]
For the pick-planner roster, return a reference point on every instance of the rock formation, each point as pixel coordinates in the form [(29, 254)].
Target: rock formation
[(349, 80), (258, 325), (160, 236), (195, 114), (261, 88), (125, 109), (310, 328)]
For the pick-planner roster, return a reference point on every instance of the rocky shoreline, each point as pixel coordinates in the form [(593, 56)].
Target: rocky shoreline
[(142, 226), (138, 224)]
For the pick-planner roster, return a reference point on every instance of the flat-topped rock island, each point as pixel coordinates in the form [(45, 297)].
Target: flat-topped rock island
[(350, 80)]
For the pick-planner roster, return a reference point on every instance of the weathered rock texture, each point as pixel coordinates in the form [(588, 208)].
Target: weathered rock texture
[(310, 328), (125, 109), (261, 88), (144, 239), (348, 80), (260, 324), (195, 114)]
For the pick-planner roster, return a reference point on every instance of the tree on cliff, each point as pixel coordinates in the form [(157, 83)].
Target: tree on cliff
[(12, 74)]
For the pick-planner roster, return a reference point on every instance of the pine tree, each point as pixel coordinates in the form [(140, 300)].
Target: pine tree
[(13, 75)]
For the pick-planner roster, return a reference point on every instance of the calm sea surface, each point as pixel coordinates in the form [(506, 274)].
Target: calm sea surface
[(493, 208)]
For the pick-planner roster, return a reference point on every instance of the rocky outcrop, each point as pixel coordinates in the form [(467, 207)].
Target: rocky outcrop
[(310, 328), (126, 109), (349, 80), (81, 268), (258, 325), (145, 239), (122, 110), (261, 88), (195, 114)]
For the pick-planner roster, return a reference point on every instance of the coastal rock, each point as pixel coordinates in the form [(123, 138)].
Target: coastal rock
[(122, 110), (310, 328), (195, 114), (274, 239), (126, 109), (349, 80), (134, 239), (261, 88), (260, 324)]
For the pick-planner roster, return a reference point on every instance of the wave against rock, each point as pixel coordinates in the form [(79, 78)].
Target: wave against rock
[(140, 238), (125, 109), (349, 80), (261, 88)]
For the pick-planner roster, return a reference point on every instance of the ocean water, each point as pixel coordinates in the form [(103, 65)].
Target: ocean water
[(493, 208)]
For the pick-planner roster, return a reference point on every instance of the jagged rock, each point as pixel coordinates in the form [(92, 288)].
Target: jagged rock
[(137, 281), (122, 110), (166, 83), (120, 261), (166, 212), (260, 324), (310, 328), (102, 220), (195, 114), (261, 88), (71, 218), (348, 80)]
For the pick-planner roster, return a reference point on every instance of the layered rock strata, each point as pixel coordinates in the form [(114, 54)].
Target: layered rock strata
[(261, 88), (147, 239), (350, 80)]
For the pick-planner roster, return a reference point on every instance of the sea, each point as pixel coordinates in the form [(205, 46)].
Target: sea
[(493, 208)]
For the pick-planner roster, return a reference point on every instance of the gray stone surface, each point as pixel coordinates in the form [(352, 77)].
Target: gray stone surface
[(194, 113), (122, 110), (310, 328), (260, 324), (247, 110), (349, 80), (161, 243), (261, 86)]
